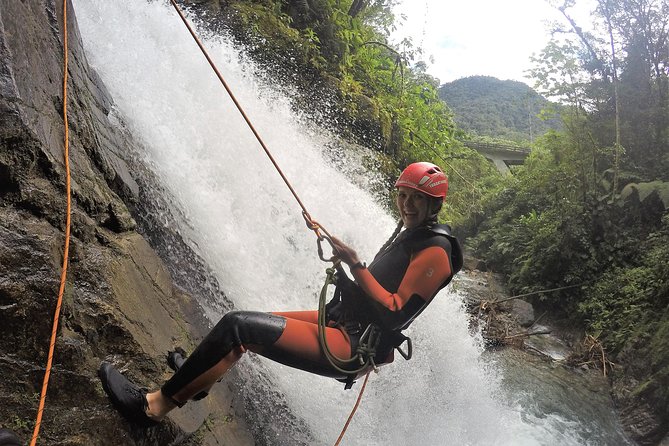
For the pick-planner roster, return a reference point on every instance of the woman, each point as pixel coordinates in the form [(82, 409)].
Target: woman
[(405, 275)]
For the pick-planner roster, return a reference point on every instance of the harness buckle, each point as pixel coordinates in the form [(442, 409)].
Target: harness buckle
[(409, 353)]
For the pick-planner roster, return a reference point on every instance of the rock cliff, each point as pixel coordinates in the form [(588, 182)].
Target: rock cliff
[(121, 302)]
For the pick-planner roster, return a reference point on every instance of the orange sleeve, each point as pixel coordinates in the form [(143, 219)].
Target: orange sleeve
[(427, 270)]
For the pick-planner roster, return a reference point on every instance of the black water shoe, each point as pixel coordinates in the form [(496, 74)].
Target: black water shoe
[(176, 358), (127, 397), (9, 438)]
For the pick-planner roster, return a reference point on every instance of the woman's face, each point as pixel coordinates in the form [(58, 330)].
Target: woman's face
[(413, 206)]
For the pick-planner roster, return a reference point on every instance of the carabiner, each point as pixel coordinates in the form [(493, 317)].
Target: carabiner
[(332, 259)]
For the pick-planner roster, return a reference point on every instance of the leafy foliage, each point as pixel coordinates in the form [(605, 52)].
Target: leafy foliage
[(625, 300), (589, 206), (560, 212)]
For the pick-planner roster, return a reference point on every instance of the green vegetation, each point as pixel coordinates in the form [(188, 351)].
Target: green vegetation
[(561, 219), (18, 424), (589, 207), (486, 106)]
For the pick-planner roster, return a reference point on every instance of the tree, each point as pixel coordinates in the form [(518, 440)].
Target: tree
[(624, 60)]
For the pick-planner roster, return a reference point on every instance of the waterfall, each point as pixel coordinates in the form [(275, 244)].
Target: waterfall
[(242, 220)]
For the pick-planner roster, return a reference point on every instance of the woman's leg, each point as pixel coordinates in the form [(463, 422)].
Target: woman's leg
[(305, 315), (299, 346), (220, 350), (290, 338), (159, 404)]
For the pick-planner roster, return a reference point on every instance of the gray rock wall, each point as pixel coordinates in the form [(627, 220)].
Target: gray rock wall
[(120, 302)]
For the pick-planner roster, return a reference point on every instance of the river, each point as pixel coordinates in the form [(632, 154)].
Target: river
[(239, 217)]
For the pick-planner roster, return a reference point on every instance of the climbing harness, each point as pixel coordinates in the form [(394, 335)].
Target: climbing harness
[(369, 341), (66, 249)]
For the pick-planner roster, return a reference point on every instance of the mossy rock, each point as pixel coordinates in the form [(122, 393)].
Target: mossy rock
[(641, 386)]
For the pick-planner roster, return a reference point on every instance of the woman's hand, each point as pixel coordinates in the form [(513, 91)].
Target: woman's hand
[(345, 252)]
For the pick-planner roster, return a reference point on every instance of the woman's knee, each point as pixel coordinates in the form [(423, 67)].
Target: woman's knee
[(249, 327)]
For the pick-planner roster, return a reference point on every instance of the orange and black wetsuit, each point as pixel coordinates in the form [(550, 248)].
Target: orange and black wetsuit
[(391, 292)]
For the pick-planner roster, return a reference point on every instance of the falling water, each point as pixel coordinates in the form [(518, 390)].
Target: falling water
[(242, 220)]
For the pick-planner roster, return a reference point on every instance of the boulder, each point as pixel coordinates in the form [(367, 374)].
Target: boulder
[(523, 312), (472, 263)]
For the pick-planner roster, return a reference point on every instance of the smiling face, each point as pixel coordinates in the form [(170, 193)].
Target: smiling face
[(414, 206)]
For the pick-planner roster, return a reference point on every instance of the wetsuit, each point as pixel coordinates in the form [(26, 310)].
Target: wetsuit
[(391, 292)]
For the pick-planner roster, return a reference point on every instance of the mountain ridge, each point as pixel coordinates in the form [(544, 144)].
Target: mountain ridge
[(485, 106)]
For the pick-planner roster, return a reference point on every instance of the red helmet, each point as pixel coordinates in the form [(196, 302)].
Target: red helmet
[(424, 177)]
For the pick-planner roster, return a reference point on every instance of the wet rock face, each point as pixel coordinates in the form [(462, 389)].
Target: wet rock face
[(32, 126), (119, 301), (641, 423), (32, 222), (28, 267), (640, 387), (665, 441)]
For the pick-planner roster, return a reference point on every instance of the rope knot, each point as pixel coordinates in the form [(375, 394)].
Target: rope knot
[(311, 224)]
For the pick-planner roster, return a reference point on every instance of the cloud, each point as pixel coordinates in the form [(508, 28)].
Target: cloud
[(477, 37)]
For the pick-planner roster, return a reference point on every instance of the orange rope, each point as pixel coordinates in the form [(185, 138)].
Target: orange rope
[(311, 223), (357, 403), (66, 249)]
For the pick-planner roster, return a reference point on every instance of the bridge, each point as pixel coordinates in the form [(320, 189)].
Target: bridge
[(501, 155)]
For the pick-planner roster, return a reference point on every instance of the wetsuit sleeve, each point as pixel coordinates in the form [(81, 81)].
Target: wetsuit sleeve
[(427, 271)]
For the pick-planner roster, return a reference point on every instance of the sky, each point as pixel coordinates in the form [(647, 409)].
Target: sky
[(480, 37)]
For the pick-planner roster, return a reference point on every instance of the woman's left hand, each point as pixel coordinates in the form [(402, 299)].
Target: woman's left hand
[(345, 252)]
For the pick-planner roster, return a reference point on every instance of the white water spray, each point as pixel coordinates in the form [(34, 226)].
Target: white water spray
[(245, 224)]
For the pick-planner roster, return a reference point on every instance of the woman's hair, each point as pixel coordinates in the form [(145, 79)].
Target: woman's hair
[(392, 238), (435, 206)]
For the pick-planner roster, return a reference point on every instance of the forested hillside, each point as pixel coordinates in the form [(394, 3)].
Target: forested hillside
[(511, 110)]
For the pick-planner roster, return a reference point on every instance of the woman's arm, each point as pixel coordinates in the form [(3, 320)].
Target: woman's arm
[(427, 271)]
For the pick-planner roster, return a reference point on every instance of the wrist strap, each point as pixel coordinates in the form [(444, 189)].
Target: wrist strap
[(358, 265)]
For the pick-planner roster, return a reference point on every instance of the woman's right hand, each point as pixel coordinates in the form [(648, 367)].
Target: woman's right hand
[(345, 253)]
